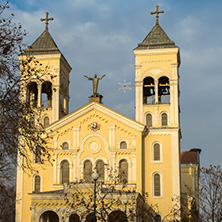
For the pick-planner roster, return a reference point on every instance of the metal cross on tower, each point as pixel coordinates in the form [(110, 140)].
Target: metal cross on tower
[(46, 19), (157, 13)]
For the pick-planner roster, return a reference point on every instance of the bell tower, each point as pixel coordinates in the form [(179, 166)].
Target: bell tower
[(47, 90), (157, 62)]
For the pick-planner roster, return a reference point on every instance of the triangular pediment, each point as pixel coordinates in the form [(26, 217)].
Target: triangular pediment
[(156, 38), (97, 107)]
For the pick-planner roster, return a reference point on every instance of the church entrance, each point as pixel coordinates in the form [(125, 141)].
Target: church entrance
[(90, 217), (74, 218), (49, 216), (117, 216)]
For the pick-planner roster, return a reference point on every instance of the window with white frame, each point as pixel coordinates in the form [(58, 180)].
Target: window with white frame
[(156, 152), (38, 154), (100, 169), (65, 146), (156, 185), (149, 120), (64, 171), (37, 183), (46, 121), (123, 145), (87, 171), (123, 171), (164, 119)]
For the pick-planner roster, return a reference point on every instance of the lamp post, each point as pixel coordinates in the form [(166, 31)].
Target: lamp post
[(95, 177), (125, 203)]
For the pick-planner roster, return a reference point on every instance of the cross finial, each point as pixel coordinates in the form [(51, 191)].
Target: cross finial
[(46, 19), (157, 13)]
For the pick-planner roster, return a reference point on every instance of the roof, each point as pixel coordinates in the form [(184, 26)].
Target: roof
[(44, 44), (156, 38), (189, 157)]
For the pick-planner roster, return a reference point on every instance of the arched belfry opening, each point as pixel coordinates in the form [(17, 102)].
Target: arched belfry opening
[(32, 94), (46, 94), (148, 91), (163, 90)]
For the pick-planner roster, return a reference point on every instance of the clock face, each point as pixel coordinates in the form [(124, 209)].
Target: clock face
[(94, 126)]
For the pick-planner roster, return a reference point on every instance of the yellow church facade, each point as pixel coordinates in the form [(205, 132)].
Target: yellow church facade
[(144, 152)]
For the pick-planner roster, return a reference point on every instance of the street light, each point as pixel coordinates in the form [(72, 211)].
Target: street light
[(95, 177), (125, 203)]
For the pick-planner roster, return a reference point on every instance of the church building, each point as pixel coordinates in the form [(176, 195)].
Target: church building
[(144, 153)]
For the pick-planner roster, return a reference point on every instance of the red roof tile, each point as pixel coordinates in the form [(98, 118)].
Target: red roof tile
[(189, 157)]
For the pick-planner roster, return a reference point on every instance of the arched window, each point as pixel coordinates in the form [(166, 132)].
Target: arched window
[(46, 94), (123, 145), (164, 119), (123, 171), (46, 121), (65, 146), (164, 90), (156, 184), (64, 171), (38, 155), (148, 91), (37, 184), (149, 120), (32, 94), (156, 152), (87, 171), (100, 169)]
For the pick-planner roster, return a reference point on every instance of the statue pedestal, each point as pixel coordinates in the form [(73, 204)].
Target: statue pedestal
[(97, 99)]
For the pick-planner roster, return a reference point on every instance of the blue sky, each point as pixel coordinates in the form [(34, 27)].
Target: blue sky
[(98, 36)]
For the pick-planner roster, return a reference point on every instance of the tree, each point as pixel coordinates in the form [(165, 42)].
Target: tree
[(210, 194), (115, 201), (18, 132)]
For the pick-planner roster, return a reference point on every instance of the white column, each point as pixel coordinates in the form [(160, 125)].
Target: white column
[(19, 190), (32, 208), (156, 91), (56, 142), (174, 94), (58, 174), (112, 137), (76, 136), (130, 171), (55, 103), (75, 167), (133, 140), (113, 162), (156, 117), (139, 93), (54, 168), (176, 164), (133, 167), (39, 96)]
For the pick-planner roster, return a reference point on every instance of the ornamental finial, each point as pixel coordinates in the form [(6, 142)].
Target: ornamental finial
[(157, 13), (46, 19)]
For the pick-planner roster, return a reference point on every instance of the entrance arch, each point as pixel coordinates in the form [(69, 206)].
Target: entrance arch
[(74, 218), (90, 217), (49, 216), (117, 216)]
